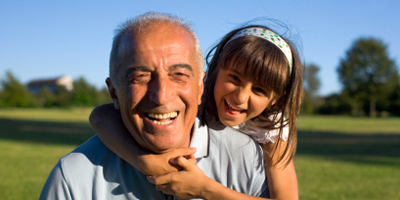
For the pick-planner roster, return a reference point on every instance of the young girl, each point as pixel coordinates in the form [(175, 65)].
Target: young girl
[(254, 84)]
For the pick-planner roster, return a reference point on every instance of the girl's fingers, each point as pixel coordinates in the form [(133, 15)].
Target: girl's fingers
[(185, 151), (161, 188), (159, 180), (191, 159), (182, 162)]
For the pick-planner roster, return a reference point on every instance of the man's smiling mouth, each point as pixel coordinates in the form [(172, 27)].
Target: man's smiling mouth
[(162, 119)]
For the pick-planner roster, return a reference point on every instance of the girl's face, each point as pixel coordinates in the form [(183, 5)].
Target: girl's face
[(238, 99)]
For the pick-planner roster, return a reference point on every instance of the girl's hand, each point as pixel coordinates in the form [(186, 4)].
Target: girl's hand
[(159, 164), (190, 182)]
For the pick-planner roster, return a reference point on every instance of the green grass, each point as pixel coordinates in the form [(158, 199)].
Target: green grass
[(344, 124), (324, 178), (348, 158), (50, 114), (337, 157), (25, 166), (29, 148)]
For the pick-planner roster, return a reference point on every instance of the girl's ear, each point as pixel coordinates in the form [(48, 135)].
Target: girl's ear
[(112, 92)]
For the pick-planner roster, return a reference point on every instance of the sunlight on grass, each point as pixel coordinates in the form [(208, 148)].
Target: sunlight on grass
[(323, 178), (345, 124), (51, 114), (337, 157), (25, 167)]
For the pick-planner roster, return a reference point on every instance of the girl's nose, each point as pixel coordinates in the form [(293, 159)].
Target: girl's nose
[(242, 95)]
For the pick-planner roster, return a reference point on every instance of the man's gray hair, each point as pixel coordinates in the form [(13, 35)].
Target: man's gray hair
[(121, 43)]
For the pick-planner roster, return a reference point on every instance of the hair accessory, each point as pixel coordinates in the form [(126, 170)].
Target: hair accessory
[(270, 36)]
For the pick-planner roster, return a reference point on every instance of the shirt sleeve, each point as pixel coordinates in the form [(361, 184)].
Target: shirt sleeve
[(56, 187)]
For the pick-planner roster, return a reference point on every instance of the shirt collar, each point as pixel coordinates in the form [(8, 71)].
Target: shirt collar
[(200, 139)]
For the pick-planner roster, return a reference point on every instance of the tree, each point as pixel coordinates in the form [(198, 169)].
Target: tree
[(45, 97), (103, 97), (84, 94), (367, 72), (14, 94), (394, 98), (336, 104), (311, 86), (62, 97)]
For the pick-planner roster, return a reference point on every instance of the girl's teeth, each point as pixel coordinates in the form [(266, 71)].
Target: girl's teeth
[(238, 109)]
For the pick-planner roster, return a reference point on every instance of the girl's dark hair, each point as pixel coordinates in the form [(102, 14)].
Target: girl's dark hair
[(267, 66)]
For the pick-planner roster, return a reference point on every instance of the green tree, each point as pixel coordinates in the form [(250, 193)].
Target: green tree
[(367, 73), (14, 93), (311, 100), (45, 97), (336, 104), (103, 97), (83, 94), (394, 98), (62, 97)]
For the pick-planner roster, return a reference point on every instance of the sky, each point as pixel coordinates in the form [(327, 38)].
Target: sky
[(46, 39)]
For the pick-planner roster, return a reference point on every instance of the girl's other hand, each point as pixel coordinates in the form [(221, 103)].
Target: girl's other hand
[(163, 165), (190, 182)]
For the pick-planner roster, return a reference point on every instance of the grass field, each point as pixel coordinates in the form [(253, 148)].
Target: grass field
[(337, 157)]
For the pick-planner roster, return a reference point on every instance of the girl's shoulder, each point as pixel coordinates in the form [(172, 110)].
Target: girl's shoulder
[(263, 135)]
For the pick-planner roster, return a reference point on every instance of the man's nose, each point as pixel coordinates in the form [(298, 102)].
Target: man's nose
[(242, 94), (161, 90)]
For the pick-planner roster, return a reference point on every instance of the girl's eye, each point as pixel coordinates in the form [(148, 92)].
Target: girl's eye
[(234, 77), (259, 91)]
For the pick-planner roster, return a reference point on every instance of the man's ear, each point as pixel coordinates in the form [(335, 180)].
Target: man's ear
[(112, 92), (201, 88)]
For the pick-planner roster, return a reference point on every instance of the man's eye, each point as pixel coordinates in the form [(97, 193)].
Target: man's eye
[(180, 74), (140, 77), (180, 77)]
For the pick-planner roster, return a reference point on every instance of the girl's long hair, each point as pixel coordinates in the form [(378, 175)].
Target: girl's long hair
[(265, 64)]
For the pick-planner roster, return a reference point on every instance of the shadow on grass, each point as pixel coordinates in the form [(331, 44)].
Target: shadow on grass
[(361, 148), (45, 132)]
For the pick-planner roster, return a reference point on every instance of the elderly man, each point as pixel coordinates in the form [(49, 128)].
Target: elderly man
[(156, 81)]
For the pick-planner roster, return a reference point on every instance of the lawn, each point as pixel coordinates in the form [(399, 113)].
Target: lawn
[(337, 157)]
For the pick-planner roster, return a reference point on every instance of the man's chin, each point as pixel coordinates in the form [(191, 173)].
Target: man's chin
[(165, 144)]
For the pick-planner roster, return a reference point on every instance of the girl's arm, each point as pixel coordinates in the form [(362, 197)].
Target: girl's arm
[(282, 179), (282, 182), (108, 124), (191, 182)]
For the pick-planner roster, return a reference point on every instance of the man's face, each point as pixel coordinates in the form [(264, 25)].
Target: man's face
[(159, 90)]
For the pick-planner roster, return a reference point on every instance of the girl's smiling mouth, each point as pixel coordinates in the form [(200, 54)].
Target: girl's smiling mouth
[(232, 110)]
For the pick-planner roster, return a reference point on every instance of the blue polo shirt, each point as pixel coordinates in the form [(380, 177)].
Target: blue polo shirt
[(92, 171)]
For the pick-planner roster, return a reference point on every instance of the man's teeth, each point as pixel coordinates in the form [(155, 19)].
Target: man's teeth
[(162, 123), (233, 107), (169, 116), (163, 116)]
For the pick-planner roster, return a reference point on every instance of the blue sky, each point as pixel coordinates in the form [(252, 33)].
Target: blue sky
[(47, 39)]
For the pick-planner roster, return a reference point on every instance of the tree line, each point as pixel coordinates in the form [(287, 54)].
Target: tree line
[(370, 83), (14, 94), (369, 78)]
